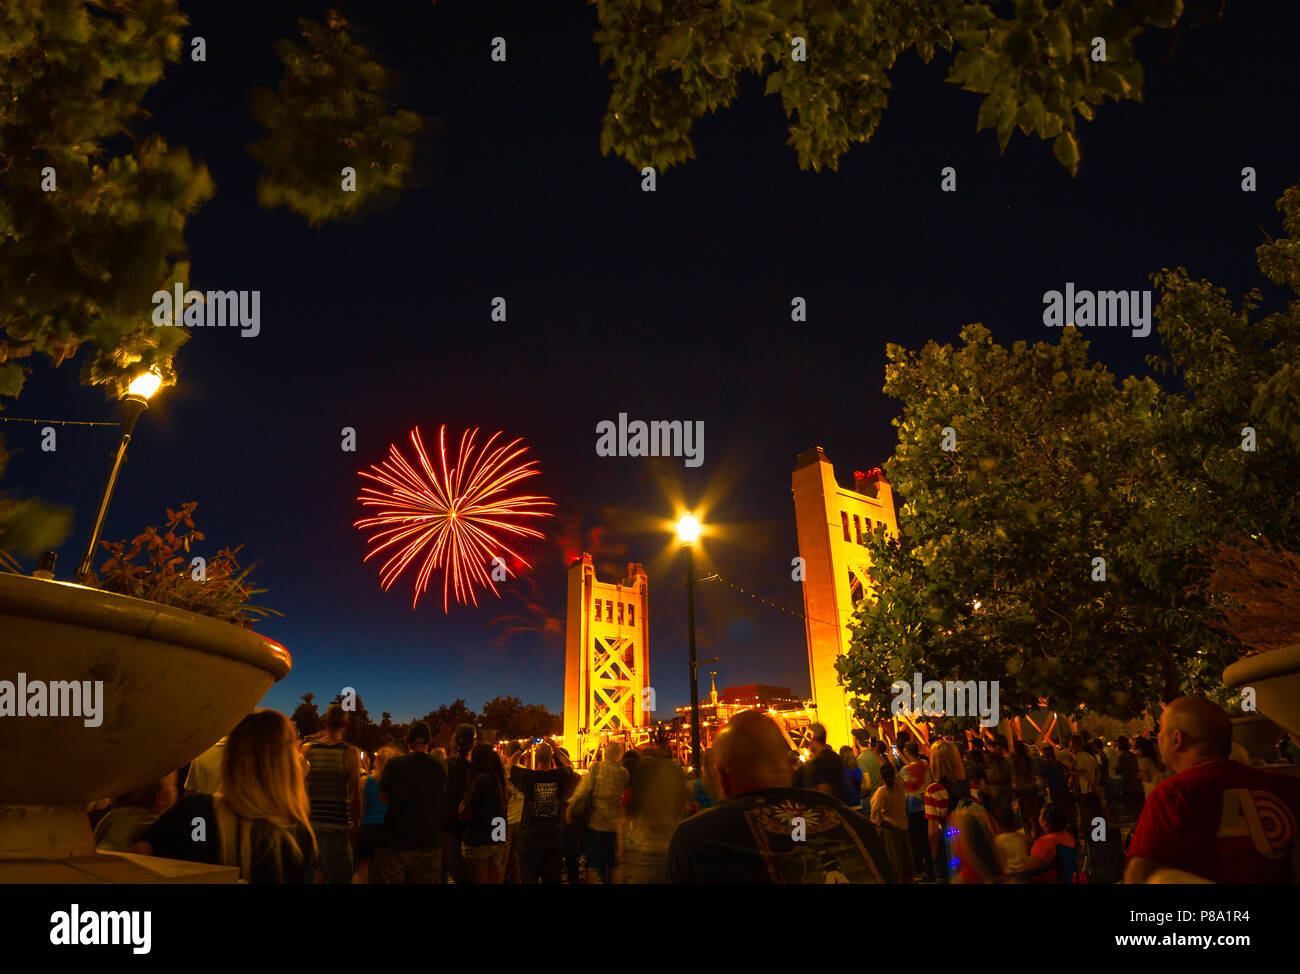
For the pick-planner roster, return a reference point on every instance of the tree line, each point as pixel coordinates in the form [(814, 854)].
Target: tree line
[(508, 716)]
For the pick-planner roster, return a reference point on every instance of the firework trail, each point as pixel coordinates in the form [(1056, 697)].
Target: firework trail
[(450, 519)]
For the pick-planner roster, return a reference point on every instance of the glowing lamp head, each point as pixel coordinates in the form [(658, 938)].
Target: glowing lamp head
[(688, 530), (144, 385)]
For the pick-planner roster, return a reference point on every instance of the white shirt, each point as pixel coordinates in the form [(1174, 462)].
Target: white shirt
[(205, 770), (1085, 772)]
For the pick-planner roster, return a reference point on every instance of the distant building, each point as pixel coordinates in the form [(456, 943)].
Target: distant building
[(791, 713), (761, 696)]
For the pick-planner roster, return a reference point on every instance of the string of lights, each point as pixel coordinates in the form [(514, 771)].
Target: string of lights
[(56, 422), (767, 602)]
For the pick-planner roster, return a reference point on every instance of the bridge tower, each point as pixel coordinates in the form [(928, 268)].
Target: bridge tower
[(606, 656), (832, 523)]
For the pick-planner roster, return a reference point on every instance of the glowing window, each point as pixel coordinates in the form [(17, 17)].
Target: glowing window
[(598, 610)]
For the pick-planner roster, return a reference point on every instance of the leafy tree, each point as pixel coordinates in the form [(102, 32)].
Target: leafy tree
[(78, 264), (443, 721), (536, 720), (511, 718), (29, 526), (1261, 589), (993, 576), (1237, 367), (673, 61), (501, 714), (93, 209), (361, 731), (1057, 464), (330, 112), (306, 717)]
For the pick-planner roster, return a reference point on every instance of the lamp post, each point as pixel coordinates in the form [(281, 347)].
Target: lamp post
[(135, 402), (688, 532)]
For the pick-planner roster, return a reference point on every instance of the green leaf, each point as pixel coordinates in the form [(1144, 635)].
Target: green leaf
[(1066, 149), (1057, 32), (673, 46), (1166, 13)]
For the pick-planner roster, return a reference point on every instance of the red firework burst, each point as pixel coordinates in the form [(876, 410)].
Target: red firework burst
[(449, 515)]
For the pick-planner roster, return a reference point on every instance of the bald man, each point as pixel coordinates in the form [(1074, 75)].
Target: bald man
[(1215, 818), (767, 832)]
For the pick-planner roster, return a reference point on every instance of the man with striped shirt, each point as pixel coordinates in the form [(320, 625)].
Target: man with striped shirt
[(334, 789)]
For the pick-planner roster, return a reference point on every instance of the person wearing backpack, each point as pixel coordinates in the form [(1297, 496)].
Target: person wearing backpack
[(949, 791), (598, 801)]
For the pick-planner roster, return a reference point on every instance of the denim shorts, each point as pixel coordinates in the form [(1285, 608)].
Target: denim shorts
[(494, 853), (602, 850)]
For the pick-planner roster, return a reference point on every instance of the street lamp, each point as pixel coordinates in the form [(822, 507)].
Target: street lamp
[(136, 401), (688, 532)]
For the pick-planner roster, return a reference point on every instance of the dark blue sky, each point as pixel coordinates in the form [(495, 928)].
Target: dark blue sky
[(672, 305)]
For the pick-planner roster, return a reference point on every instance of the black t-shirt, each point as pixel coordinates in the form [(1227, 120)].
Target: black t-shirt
[(172, 837), (483, 805), (457, 789), (754, 838), (545, 792), (415, 785)]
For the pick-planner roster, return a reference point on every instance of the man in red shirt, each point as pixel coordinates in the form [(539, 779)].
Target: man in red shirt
[(1214, 818)]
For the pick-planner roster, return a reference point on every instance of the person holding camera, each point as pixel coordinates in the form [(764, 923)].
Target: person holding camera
[(546, 788)]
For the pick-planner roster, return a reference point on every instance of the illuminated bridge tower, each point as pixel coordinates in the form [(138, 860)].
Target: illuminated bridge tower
[(832, 525), (606, 656)]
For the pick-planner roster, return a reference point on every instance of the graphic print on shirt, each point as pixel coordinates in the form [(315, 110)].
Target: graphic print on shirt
[(1260, 815), (833, 851), (545, 799)]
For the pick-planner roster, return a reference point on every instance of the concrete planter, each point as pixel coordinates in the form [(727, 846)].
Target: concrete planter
[(1275, 677), (173, 682), (1255, 733)]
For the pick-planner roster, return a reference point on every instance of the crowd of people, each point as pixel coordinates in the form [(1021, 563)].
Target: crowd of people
[(1180, 807)]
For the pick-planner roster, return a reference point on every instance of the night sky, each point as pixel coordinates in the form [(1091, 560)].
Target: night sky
[(673, 305)]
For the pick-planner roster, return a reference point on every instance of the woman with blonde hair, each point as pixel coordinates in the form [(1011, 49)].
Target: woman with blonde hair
[(976, 855), (948, 791), (373, 810), (258, 821)]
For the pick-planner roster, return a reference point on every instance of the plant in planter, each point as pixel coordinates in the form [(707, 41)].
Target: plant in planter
[(168, 577)]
